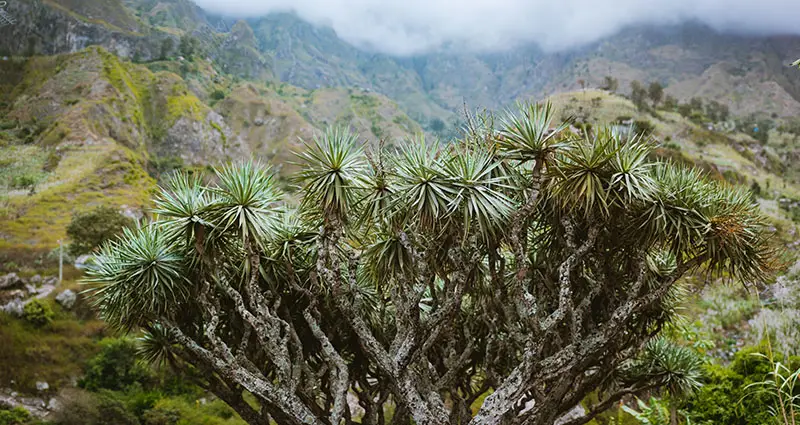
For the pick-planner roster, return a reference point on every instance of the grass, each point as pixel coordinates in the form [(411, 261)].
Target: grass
[(85, 177), (54, 354)]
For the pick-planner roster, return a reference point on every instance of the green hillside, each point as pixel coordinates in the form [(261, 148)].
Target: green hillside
[(86, 129)]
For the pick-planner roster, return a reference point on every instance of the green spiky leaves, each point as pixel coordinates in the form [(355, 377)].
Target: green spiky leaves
[(244, 201), (602, 172), (138, 278), (529, 134), (332, 165)]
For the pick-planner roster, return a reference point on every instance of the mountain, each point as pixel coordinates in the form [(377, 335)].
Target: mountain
[(99, 98), (87, 128), (749, 73)]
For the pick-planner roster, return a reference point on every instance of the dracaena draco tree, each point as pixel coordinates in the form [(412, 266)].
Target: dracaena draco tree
[(496, 279)]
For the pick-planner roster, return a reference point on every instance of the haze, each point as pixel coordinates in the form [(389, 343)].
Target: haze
[(406, 27)]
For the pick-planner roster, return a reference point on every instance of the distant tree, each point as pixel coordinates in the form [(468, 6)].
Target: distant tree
[(217, 95), (755, 188), (166, 47), (610, 83), (670, 103), (89, 230), (724, 112), (685, 109), (656, 92), (582, 83), (520, 265), (436, 125), (717, 111), (638, 95), (696, 104), (189, 46), (115, 367)]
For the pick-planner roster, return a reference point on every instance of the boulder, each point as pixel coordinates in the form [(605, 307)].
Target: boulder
[(52, 281), (11, 281), (83, 261), (14, 308), (14, 294), (67, 299), (30, 288), (42, 386), (36, 280)]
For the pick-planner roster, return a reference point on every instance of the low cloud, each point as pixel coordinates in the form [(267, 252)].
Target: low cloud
[(407, 27)]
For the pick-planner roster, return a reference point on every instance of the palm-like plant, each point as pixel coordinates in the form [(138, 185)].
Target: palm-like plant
[(510, 261), (332, 165), (243, 202), (477, 191), (424, 194), (529, 133), (138, 278)]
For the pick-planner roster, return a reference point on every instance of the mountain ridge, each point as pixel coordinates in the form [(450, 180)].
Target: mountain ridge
[(686, 58)]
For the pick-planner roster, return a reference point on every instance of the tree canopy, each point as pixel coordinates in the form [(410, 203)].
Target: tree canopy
[(88, 230), (497, 279)]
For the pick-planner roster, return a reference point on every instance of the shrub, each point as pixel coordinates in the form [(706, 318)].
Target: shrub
[(15, 416), (115, 367), (23, 181), (85, 408), (644, 126), (217, 95), (162, 416), (89, 230), (38, 313), (725, 397)]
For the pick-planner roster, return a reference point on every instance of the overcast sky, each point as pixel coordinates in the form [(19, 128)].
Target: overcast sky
[(404, 27)]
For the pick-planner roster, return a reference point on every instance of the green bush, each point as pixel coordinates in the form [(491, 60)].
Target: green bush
[(162, 416), (725, 399), (15, 416), (644, 126), (23, 181), (89, 230), (115, 367), (38, 313), (217, 95), (85, 408)]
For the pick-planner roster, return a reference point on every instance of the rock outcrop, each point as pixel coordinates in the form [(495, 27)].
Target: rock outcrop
[(67, 298)]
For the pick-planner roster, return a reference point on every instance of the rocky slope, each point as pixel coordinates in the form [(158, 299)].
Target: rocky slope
[(88, 128), (751, 74)]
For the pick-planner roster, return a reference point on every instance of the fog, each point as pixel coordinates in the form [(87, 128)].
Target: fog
[(406, 27)]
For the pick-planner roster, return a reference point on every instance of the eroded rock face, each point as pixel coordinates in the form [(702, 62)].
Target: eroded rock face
[(203, 142), (46, 30)]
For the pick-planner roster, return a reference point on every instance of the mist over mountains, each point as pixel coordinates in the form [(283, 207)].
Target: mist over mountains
[(412, 27)]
